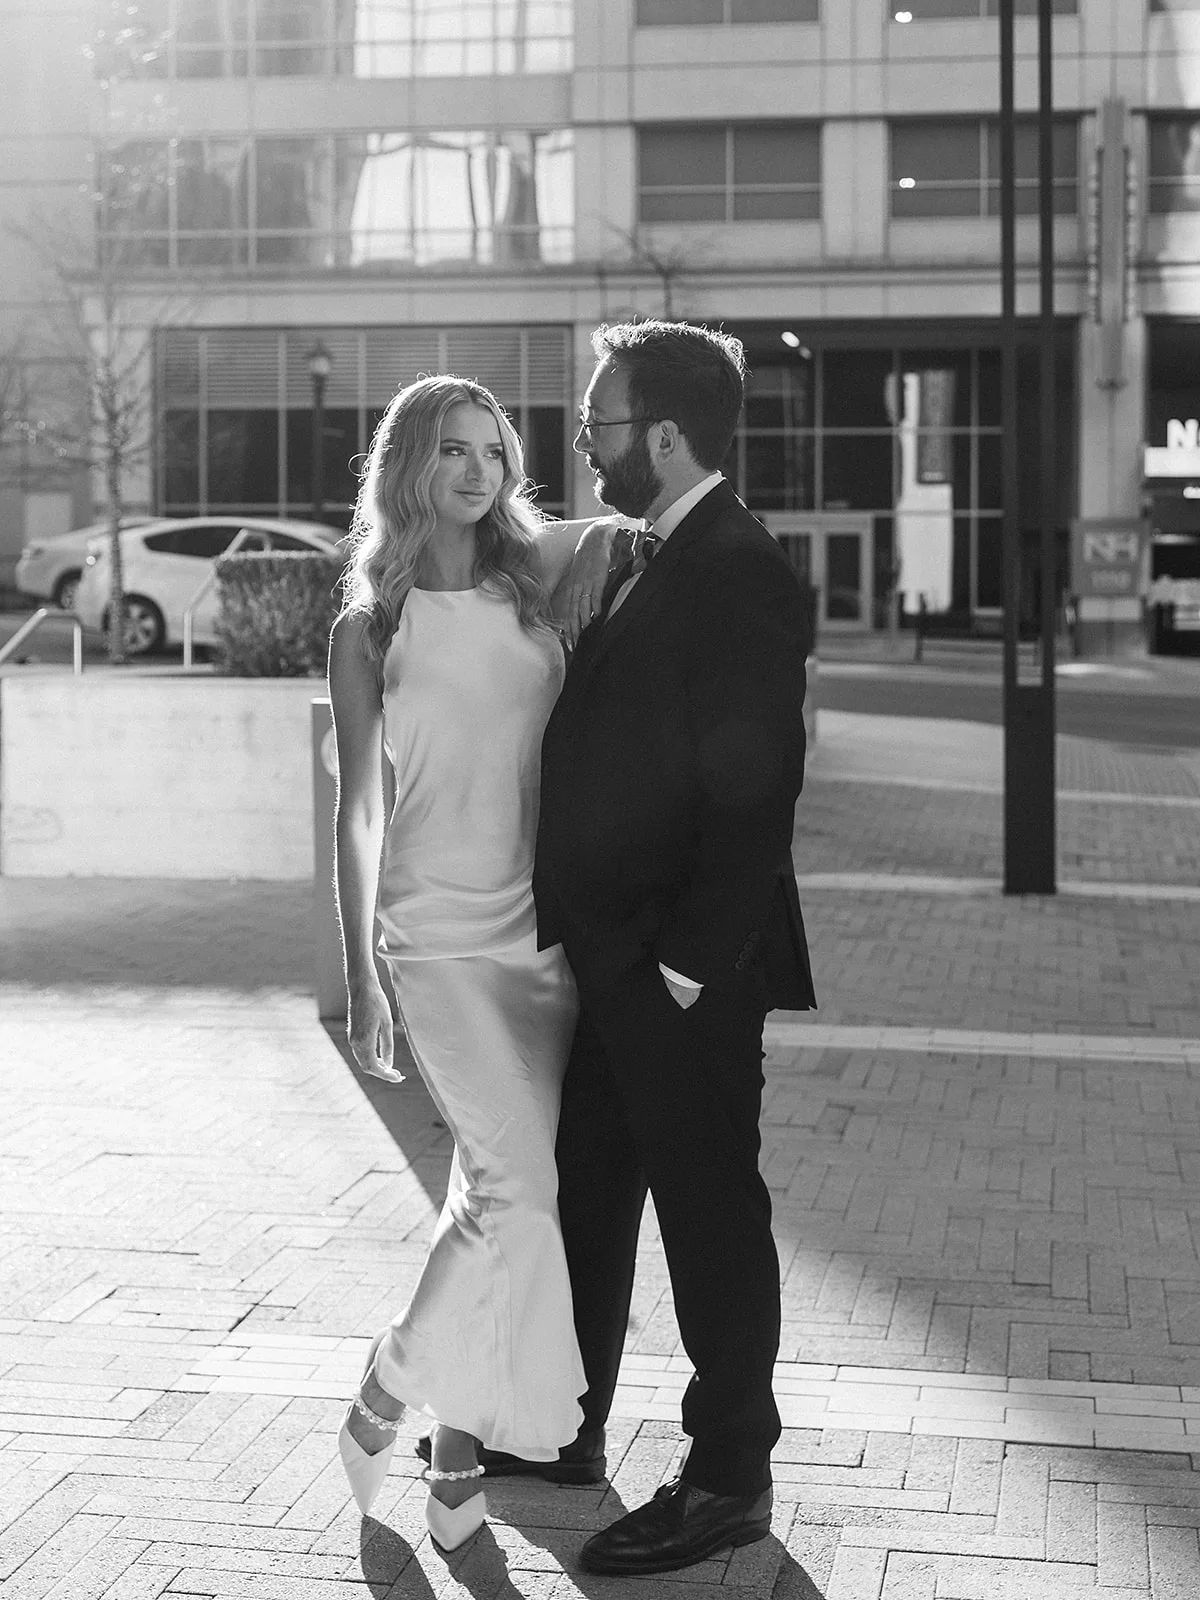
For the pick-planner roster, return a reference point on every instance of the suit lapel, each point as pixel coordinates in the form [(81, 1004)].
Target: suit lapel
[(655, 580)]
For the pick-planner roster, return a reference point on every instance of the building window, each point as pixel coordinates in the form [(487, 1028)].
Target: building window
[(742, 172), (907, 437), (345, 201), (321, 38), (1174, 163), (926, 10), (690, 13), (234, 430), (951, 167)]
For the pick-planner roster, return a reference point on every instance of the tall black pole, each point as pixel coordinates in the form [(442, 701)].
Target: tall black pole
[(1048, 371), (318, 446), (1010, 528), (1029, 846)]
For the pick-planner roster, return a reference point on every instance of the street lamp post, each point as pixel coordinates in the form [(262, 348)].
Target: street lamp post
[(320, 365)]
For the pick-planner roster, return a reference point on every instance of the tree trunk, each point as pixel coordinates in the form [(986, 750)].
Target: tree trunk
[(116, 566)]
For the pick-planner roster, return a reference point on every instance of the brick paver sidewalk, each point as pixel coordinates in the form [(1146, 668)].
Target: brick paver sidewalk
[(984, 1151)]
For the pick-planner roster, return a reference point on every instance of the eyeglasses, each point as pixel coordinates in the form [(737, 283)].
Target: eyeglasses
[(590, 424)]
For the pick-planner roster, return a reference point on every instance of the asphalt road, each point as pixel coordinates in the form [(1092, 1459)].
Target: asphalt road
[(1128, 710), (1141, 715)]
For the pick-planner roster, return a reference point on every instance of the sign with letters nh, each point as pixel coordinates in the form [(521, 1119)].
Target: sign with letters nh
[(1107, 558), (1180, 456)]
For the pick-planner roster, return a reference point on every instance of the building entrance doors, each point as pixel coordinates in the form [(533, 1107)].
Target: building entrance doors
[(832, 550)]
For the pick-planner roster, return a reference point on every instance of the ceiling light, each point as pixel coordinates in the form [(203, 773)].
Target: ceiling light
[(908, 183), (792, 340), (903, 16)]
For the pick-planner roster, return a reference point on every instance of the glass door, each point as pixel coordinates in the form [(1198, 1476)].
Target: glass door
[(833, 552)]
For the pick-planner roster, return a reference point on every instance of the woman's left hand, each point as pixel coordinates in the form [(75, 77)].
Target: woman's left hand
[(577, 603)]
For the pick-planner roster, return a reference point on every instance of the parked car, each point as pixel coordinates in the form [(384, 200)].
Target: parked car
[(165, 564), (50, 568)]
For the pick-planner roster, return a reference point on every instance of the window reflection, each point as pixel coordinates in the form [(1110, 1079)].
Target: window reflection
[(452, 196), (472, 196), (292, 194), (210, 200), (358, 38)]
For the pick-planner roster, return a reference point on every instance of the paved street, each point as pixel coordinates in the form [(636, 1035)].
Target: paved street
[(985, 1156), (1105, 705)]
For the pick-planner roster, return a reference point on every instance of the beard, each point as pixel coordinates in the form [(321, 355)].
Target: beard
[(628, 483)]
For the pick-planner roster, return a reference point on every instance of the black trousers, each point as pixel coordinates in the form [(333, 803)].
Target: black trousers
[(659, 1097)]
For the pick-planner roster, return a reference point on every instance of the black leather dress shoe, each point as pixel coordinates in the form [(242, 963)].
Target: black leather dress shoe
[(679, 1527), (580, 1462)]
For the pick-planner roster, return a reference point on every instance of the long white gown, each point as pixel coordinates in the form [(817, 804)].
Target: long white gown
[(487, 1342)]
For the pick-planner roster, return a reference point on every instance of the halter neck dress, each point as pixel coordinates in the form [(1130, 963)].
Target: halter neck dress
[(487, 1342)]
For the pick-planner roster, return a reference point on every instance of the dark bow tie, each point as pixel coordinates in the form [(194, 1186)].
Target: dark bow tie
[(651, 543)]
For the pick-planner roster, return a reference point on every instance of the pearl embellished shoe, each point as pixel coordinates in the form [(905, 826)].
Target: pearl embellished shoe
[(452, 1526), (366, 1472)]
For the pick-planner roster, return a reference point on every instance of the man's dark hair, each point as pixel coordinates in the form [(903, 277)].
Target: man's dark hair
[(683, 373)]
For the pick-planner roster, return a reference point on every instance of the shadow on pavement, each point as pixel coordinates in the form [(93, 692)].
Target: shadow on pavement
[(406, 1111)]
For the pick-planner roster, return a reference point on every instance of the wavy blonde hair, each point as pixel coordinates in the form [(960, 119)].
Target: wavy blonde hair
[(394, 520)]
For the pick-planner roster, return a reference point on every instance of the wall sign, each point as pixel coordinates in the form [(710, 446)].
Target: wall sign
[(1180, 457), (1108, 558)]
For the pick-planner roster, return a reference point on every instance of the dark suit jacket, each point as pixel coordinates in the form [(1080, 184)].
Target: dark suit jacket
[(671, 766)]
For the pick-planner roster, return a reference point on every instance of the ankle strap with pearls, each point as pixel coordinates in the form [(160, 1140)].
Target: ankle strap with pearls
[(385, 1423), (432, 1476)]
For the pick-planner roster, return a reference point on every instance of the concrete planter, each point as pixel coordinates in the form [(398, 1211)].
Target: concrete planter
[(141, 775)]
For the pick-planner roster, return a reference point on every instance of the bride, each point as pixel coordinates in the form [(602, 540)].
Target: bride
[(446, 658)]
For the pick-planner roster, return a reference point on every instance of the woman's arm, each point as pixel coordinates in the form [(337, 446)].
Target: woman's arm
[(576, 563), (556, 545), (358, 840)]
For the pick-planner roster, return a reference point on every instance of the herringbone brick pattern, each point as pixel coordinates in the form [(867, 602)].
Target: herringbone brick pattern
[(864, 827), (990, 1263)]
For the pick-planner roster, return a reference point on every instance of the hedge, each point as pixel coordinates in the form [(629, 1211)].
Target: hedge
[(275, 611)]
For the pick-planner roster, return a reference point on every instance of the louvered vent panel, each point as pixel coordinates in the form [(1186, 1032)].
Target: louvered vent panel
[(179, 357), (343, 385), (549, 367), (243, 367), (395, 357), (491, 356)]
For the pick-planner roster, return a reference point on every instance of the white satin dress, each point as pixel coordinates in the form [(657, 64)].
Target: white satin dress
[(487, 1342)]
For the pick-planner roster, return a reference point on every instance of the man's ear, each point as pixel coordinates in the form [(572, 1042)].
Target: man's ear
[(668, 440)]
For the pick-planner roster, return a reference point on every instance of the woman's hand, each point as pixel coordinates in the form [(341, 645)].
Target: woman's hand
[(577, 602), (369, 1028)]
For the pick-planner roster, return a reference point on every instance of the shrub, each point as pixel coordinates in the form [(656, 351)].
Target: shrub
[(275, 611)]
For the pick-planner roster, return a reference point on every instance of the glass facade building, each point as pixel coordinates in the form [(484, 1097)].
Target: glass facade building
[(474, 185), (180, 39)]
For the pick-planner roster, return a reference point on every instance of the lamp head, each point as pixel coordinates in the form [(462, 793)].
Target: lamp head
[(320, 362)]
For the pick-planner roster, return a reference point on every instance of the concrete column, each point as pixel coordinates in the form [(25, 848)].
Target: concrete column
[(853, 155), (1112, 426)]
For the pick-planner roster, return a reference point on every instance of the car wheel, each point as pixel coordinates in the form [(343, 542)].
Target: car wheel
[(65, 591), (144, 626)]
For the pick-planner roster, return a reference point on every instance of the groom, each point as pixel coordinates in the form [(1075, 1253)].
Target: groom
[(671, 767)]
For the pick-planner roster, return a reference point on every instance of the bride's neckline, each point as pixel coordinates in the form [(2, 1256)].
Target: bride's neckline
[(421, 590)]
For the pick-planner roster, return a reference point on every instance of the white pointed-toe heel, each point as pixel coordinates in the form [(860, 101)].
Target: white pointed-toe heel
[(452, 1526), (366, 1472)]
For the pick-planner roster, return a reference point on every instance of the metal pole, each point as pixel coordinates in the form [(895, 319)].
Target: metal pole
[(318, 447), (1010, 550), (1029, 849), (1048, 365)]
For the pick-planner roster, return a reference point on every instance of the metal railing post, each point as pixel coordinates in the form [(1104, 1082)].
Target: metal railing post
[(29, 628), (238, 540)]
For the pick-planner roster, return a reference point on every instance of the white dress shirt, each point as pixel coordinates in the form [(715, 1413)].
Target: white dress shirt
[(663, 527)]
